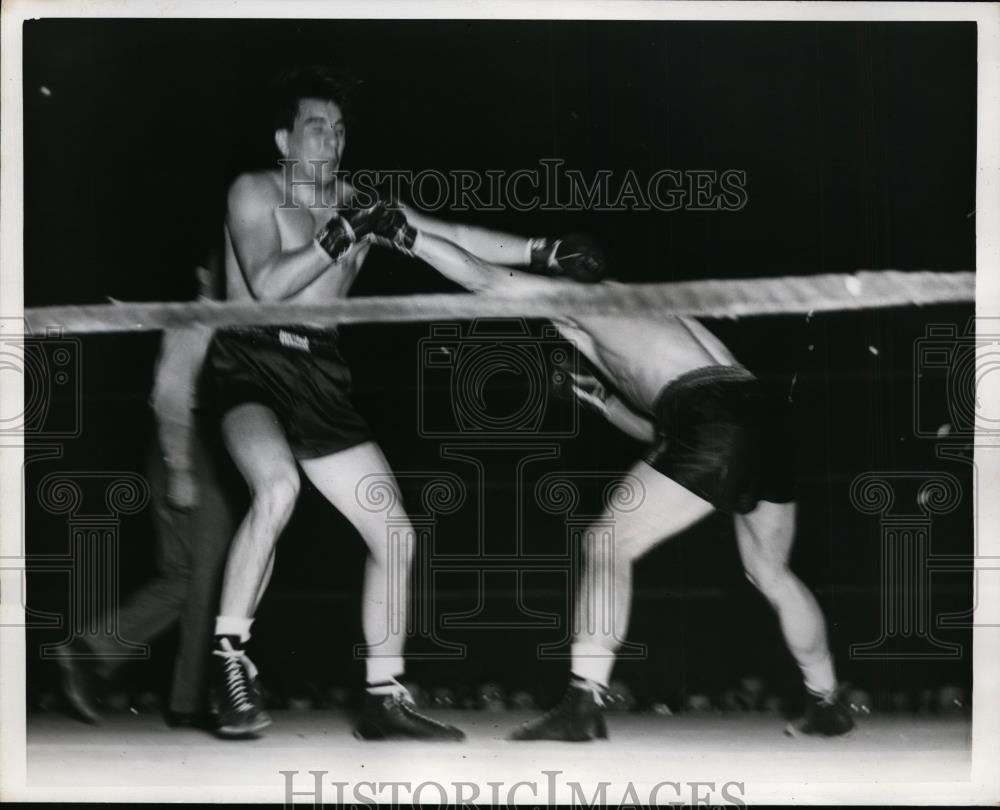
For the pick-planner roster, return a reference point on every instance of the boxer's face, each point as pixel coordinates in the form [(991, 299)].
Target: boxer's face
[(319, 134)]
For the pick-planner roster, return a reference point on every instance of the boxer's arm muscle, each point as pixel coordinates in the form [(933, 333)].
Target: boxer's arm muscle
[(270, 273), (496, 247), (472, 272)]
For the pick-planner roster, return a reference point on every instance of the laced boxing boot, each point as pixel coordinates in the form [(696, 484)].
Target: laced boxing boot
[(394, 716), (825, 716), (578, 717), (235, 697)]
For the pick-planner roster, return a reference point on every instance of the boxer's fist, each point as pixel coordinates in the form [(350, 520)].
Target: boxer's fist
[(353, 224), (590, 391), (391, 229), (575, 256), (341, 232)]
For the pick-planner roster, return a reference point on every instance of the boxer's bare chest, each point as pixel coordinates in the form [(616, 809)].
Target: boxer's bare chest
[(297, 227)]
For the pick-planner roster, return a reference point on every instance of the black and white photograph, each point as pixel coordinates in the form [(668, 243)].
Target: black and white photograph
[(500, 404)]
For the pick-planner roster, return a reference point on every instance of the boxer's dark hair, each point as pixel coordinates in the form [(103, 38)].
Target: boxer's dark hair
[(293, 84)]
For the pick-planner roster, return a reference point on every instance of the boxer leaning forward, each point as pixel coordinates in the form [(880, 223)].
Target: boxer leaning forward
[(716, 442)]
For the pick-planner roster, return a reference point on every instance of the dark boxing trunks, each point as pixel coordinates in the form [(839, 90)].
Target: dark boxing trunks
[(719, 436), (299, 374)]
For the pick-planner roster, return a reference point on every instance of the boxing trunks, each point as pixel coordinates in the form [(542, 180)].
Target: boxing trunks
[(719, 436), (297, 372)]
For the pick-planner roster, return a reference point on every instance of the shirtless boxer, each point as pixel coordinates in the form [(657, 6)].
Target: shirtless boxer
[(284, 393), (714, 441)]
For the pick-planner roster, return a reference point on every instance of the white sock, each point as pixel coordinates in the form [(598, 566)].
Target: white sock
[(233, 626), (382, 669), (389, 687), (592, 662)]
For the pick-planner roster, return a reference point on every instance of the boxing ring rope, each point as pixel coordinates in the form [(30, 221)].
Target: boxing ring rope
[(713, 298)]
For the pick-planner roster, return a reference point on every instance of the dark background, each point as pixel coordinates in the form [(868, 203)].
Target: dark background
[(858, 143)]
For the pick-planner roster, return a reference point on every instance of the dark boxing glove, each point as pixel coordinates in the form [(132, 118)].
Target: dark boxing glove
[(377, 223), (350, 226), (392, 230), (575, 256)]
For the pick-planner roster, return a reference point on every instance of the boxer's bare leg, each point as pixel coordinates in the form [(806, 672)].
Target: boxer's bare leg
[(458, 265), (604, 601), (765, 537), (765, 541), (260, 450), (359, 483)]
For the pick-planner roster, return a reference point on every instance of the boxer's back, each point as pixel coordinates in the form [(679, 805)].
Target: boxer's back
[(641, 354)]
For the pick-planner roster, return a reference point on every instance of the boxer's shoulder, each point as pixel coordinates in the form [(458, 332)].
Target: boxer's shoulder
[(257, 188)]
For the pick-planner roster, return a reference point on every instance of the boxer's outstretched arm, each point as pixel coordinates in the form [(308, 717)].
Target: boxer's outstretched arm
[(472, 272), (496, 247), (272, 274)]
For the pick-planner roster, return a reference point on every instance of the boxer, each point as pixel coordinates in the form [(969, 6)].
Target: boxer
[(301, 234), (715, 442)]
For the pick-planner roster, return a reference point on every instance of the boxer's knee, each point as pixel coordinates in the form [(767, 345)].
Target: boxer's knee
[(772, 579), (274, 500), (396, 547)]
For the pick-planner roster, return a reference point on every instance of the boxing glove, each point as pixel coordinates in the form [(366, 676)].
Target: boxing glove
[(353, 225), (575, 256)]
